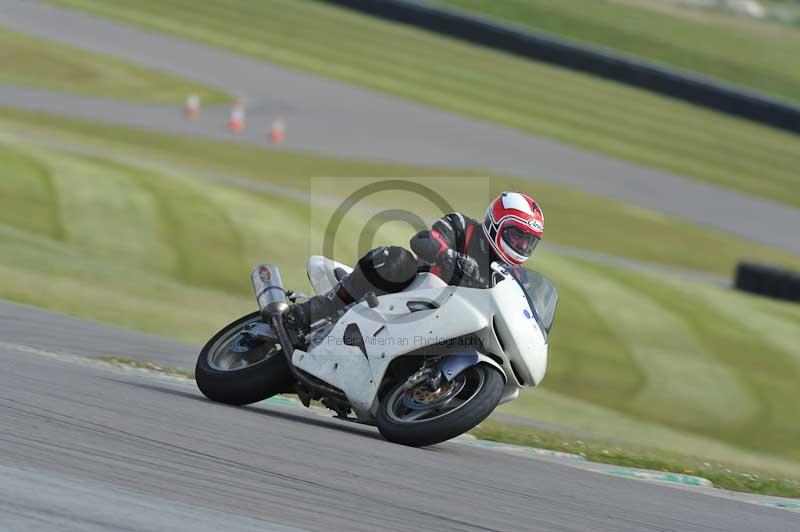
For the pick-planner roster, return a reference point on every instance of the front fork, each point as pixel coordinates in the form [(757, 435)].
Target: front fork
[(445, 367)]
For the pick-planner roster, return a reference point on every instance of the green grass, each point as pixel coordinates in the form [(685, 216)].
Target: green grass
[(731, 476), (693, 358), (147, 243), (751, 53), (154, 249), (159, 252), (571, 215), (31, 62), (577, 109)]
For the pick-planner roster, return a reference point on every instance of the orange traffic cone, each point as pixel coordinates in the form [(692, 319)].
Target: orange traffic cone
[(236, 123), (192, 108), (277, 133)]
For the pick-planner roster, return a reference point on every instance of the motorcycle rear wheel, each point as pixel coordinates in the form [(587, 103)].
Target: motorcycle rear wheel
[(403, 418), (248, 373)]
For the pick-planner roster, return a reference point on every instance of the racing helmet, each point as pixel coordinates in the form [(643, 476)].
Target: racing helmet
[(513, 225)]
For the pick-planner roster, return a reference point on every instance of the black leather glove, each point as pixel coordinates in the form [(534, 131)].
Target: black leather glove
[(464, 263)]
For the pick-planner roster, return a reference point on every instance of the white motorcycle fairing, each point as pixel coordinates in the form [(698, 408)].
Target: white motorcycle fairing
[(322, 273), (493, 324)]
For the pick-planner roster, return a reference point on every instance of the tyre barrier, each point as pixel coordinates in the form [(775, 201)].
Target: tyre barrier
[(769, 281), (619, 67)]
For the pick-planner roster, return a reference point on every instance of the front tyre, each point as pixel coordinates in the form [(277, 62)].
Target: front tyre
[(238, 368), (421, 416)]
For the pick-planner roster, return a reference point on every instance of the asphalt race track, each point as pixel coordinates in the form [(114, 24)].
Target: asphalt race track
[(86, 448), (334, 118)]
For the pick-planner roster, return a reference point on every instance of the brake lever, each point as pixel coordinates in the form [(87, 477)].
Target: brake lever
[(498, 271), (498, 268)]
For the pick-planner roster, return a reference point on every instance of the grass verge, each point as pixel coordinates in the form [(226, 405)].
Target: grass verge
[(32, 62), (633, 352), (722, 475), (627, 231), (149, 366), (573, 108)]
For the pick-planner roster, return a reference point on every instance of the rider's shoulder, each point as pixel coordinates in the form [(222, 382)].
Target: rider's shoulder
[(458, 220)]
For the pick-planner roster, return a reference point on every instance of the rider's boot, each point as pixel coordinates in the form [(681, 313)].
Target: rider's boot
[(303, 315)]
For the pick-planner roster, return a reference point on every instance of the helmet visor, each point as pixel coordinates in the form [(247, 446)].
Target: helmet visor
[(521, 242)]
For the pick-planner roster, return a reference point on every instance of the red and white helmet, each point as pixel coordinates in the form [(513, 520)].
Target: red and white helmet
[(514, 224)]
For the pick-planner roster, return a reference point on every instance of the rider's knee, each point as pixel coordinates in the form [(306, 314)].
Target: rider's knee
[(389, 268)]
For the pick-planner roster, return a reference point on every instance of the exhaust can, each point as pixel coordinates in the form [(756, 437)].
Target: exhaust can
[(269, 291)]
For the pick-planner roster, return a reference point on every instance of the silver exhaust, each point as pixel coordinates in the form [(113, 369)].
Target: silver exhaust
[(273, 304), (269, 291)]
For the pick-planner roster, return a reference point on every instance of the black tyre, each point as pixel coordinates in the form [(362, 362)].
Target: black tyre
[(419, 416), (239, 369)]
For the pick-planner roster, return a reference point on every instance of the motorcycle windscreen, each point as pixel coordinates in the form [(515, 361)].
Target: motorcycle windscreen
[(541, 293)]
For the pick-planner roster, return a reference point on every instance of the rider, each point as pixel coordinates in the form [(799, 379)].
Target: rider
[(454, 249)]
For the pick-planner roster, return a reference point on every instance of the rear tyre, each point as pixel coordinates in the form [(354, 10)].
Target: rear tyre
[(419, 416), (238, 369)]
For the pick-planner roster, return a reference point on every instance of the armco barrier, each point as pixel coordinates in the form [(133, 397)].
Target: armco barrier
[(768, 281), (618, 67)]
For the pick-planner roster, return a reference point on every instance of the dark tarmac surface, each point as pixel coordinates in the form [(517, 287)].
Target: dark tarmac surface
[(83, 447)]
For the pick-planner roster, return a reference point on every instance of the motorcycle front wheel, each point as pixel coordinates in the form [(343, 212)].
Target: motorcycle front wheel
[(420, 416), (239, 369)]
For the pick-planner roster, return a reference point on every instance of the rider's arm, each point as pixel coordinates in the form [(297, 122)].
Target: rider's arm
[(433, 244), (440, 246)]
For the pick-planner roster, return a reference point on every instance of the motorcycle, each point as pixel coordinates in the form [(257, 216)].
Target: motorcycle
[(424, 365)]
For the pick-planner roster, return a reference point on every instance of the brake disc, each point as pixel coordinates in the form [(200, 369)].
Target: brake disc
[(422, 397)]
